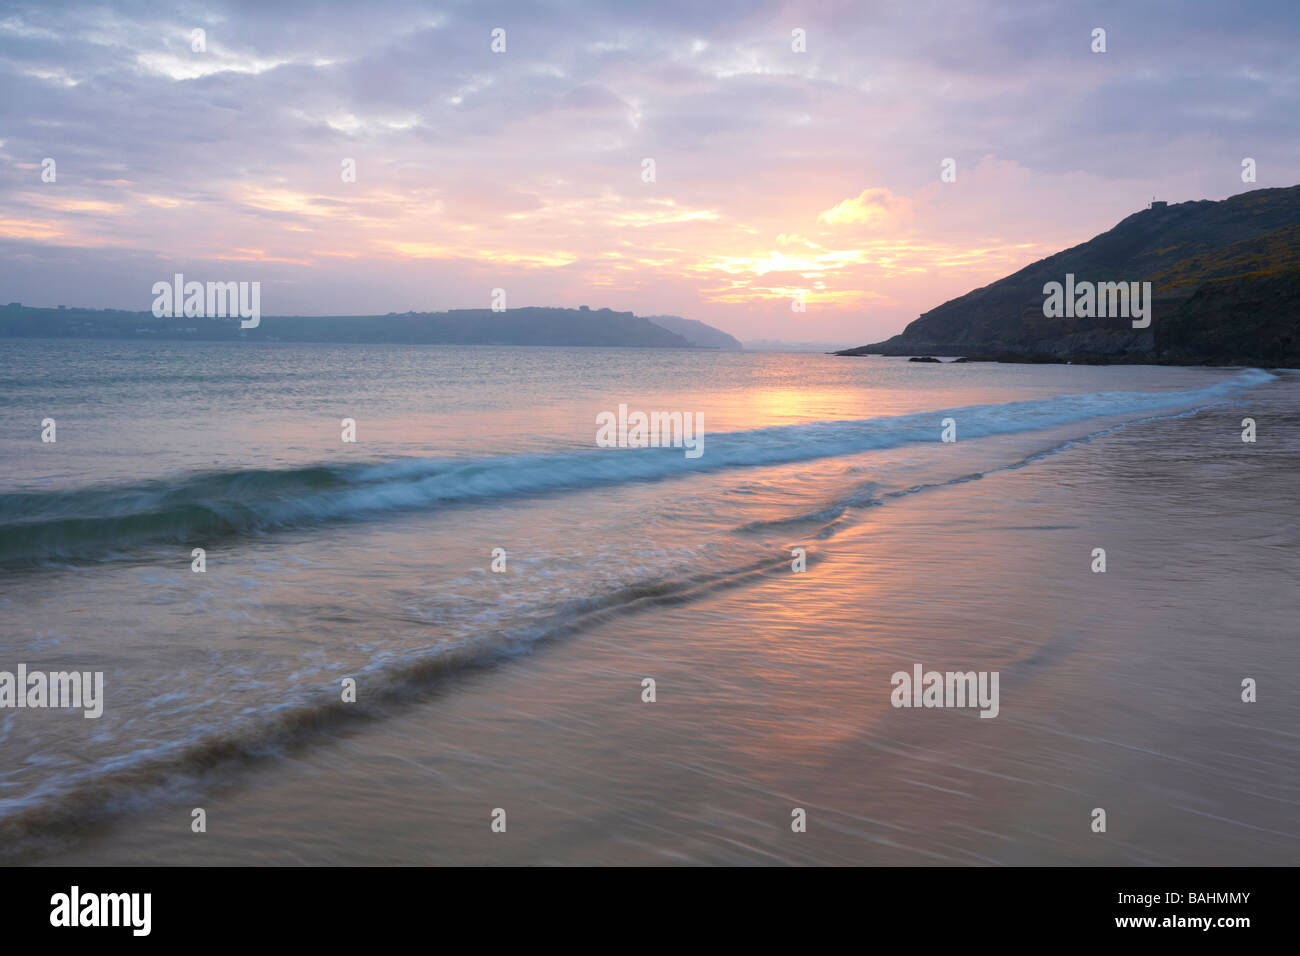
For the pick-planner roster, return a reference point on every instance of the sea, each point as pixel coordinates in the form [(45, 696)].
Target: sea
[(370, 604)]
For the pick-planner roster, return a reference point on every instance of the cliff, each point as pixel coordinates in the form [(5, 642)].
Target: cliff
[(1225, 280)]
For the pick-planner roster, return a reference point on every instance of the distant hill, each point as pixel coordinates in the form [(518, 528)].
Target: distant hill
[(696, 332), (1225, 281), (527, 326)]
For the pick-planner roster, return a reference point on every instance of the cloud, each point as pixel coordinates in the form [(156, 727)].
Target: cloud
[(522, 170), (878, 208)]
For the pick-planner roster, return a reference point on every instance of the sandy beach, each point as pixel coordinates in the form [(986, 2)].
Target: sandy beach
[(1119, 690)]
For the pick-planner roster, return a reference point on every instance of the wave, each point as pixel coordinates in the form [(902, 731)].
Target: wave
[(62, 808), (38, 528)]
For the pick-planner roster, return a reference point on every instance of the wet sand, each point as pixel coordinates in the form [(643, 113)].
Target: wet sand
[(1119, 690)]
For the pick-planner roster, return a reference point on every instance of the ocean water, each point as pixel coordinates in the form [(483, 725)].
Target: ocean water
[(372, 560)]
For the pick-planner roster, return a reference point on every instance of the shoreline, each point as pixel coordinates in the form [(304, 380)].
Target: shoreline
[(1117, 691), (961, 358)]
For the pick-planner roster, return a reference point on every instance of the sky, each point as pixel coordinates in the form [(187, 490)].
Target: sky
[(777, 171)]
